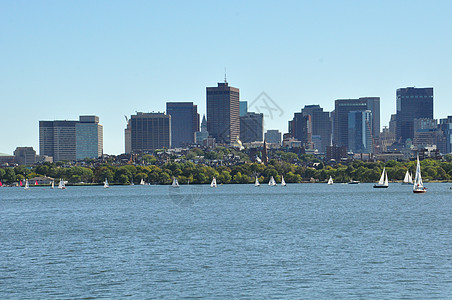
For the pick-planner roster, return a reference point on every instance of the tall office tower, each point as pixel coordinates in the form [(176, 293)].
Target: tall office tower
[(412, 103), (426, 132), (184, 122), (57, 139), (445, 126), (243, 108), (393, 124), (344, 106), (273, 136), (202, 135), (128, 137), (359, 131), (25, 156), (301, 128), (321, 126), (150, 131), (71, 140), (89, 138), (252, 127), (223, 121)]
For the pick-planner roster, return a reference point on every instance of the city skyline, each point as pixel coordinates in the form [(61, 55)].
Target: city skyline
[(111, 59)]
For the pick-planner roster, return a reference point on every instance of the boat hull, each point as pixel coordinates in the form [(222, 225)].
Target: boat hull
[(380, 186), (419, 191)]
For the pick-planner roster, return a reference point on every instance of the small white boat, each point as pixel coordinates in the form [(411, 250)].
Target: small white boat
[(353, 182), (283, 183), (272, 181), (213, 183), (256, 183), (383, 183), (61, 185), (330, 181), (175, 184), (106, 185), (418, 187), (52, 185), (408, 178), (142, 181), (27, 186)]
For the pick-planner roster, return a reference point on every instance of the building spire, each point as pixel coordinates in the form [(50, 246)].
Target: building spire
[(225, 80)]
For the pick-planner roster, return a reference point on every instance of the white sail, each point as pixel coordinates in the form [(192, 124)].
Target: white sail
[(26, 185), (418, 184), (61, 185), (52, 186), (142, 181), (257, 182), (272, 181), (213, 183), (106, 185), (330, 181), (175, 184), (386, 183), (411, 178), (382, 178), (407, 177), (283, 183)]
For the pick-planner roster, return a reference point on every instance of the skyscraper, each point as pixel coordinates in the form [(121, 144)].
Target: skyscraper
[(321, 125), (359, 131), (184, 122), (223, 121), (243, 108), (344, 106), (300, 127), (71, 140), (273, 136), (412, 103), (252, 127), (202, 135), (89, 138), (150, 131)]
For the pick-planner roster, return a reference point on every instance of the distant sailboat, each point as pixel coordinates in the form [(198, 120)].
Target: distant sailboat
[(418, 186), (256, 183), (383, 183), (61, 185), (283, 183), (106, 185), (330, 181), (1, 184), (213, 183), (52, 185), (408, 178), (27, 187), (175, 184), (272, 181), (142, 181)]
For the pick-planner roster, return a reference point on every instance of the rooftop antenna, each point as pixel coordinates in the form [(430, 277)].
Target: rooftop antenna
[(225, 80)]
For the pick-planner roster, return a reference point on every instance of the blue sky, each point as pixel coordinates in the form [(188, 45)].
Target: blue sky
[(62, 59)]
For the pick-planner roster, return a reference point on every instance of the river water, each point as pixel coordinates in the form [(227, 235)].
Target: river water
[(233, 241)]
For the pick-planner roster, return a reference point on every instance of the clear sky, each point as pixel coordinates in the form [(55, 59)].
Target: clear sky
[(62, 59)]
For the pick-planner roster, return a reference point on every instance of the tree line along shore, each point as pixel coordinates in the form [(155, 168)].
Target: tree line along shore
[(304, 170)]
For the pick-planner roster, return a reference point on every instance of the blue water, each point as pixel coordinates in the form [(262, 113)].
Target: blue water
[(235, 241)]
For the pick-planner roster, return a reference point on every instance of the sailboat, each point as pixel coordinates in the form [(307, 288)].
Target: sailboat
[(383, 183), (175, 184), (213, 183), (283, 183), (106, 185), (272, 181), (61, 185), (256, 183), (408, 178), (330, 181), (52, 185), (26, 185), (418, 186), (142, 181)]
